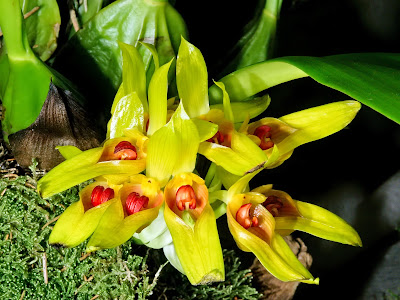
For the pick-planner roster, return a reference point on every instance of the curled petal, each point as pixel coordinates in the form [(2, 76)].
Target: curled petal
[(319, 222), (198, 248)]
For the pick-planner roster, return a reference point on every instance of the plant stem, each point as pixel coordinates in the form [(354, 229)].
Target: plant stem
[(13, 28)]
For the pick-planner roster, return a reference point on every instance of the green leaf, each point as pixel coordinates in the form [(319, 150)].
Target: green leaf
[(4, 73), (128, 21), (26, 88), (86, 11), (256, 44), (192, 79), (371, 78), (251, 80), (42, 26)]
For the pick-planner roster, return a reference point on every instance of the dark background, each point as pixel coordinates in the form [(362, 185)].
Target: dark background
[(354, 173)]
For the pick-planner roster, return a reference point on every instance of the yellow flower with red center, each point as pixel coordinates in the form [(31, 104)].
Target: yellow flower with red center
[(169, 206), (193, 227)]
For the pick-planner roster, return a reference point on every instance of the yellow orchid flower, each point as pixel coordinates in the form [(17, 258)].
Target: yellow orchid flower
[(191, 222), (81, 218), (258, 218), (137, 205), (296, 129)]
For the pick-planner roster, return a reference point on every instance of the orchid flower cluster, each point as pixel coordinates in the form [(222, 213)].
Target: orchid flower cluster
[(146, 186)]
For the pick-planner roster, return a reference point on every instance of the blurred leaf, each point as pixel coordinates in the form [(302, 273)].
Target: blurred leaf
[(42, 26)]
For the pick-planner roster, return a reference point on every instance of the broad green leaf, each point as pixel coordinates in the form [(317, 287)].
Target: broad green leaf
[(251, 80), (4, 73), (371, 78), (95, 45), (158, 89), (86, 10), (244, 109), (320, 222), (128, 113), (42, 26), (192, 79)]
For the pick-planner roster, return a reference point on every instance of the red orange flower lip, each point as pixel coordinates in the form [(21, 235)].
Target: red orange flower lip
[(125, 151), (136, 203), (101, 195), (185, 198), (243, 217)]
